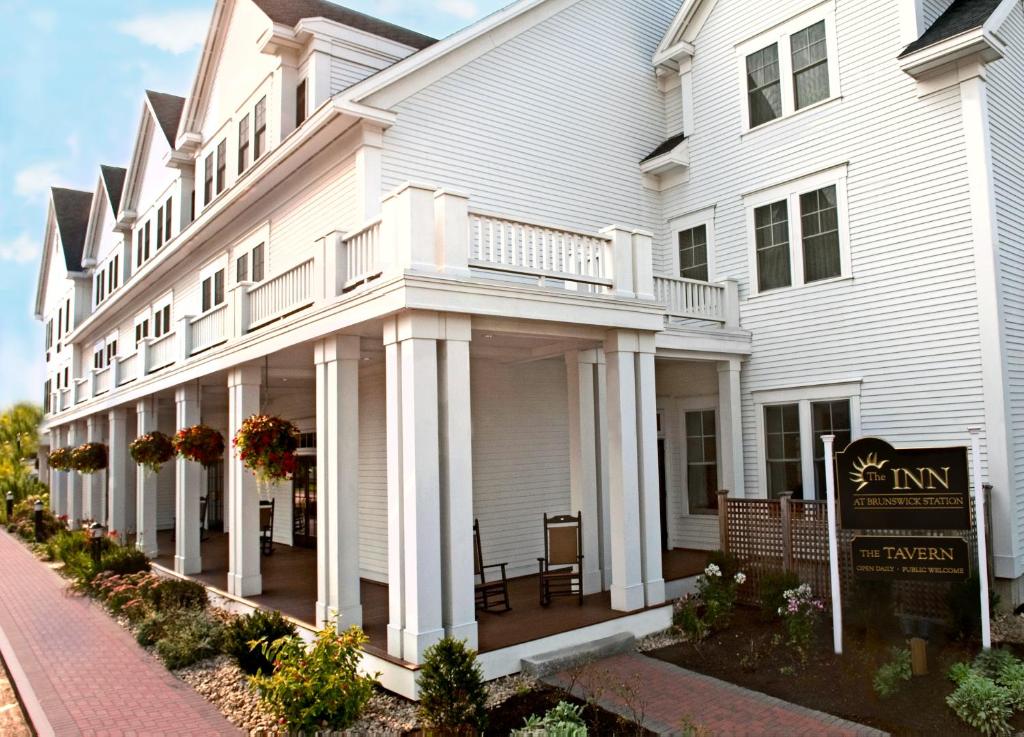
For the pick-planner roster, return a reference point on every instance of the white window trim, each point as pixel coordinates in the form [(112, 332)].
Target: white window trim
[(696, 404), (112, 339), (791, 191), (207, 272), (165, 301), (705, 217), (245, 245), (781, 34), (143, 316), (802, 396)]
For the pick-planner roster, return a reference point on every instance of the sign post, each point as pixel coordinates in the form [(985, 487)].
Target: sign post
[(833, 545), (979, 522)]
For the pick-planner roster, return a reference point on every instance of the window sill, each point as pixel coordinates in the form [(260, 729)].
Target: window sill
[(790, 116), (799, 287)]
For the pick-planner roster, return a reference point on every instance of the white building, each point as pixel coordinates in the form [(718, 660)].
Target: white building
[(583, 255)]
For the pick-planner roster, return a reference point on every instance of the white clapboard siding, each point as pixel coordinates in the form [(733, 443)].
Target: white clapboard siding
[(345, 73), (373, 476), (1006, 111), (932, 9)]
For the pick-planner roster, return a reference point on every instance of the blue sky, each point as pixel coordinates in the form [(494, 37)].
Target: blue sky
[(72, 75)]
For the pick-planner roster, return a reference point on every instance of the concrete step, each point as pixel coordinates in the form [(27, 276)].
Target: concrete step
[(544, 664)]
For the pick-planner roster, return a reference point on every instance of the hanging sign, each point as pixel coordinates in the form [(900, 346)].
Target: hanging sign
[(882, 488), (911, 558)]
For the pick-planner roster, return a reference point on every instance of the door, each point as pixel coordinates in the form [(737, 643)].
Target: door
[(215, 497), (662, 494), (304, 502)]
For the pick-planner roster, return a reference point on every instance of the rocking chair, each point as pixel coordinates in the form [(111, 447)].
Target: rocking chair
[(561, 568), (267, 527), (491, 596)]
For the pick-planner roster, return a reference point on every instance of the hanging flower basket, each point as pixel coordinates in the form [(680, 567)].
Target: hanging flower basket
[(152, 450), (89, 458), (59, 459), (266, 446), (199, 443)]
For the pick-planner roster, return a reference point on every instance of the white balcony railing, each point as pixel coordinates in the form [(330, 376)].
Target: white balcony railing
[(688, 298), (362, 256), (81, 390), (65, 398), (500, 244), (102, 381), (129, 369), (281, 295), (210, 329), (162, 352)]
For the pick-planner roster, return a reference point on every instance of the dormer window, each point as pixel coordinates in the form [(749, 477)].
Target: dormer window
[(159, 228), (260, 134), (243, 144), (168, 220)]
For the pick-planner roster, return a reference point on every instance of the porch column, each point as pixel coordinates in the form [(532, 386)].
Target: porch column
[(244, 577), (414, 519), (584, 458), (58, 480), (730, 408), (337, 458), (456, 466), (604, 486), (117, 473), (145, 483), (95, 483), (650, 492), (187, 489), (75, 485)]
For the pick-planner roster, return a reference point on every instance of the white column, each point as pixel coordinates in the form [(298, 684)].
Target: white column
[(583, 460), (244, 577), (75, 486), (187, 489), (413, 430), (117, 474), (647, 455), (730, 421), (145, 483), (95, 486), (337, 407), (456, 465), (604, 486), (58, 480)]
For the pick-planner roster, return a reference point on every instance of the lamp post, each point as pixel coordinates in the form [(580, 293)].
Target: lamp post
[(10, 505), (38, 508), (96, 537)]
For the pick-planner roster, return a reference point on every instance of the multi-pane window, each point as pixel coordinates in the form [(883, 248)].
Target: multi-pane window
[(146, 240), (810, 65), (259, 143), (49, 334), (771, 233), (168, 220), (819, 219), (67, 316), (693, 253), (257, 263), (213, 290), (139, 258), (208, 179), (162, 321), (141, 331), (764, 91), (98, 356), (701, 462), (159, 228), (300, 103), (98, 285), (828, 418), (222, 165), (782, 449), (242, 268), (60, 322), (243, 144), (111, 351)]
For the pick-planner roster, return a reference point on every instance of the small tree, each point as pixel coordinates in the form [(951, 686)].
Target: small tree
[(453, 696)]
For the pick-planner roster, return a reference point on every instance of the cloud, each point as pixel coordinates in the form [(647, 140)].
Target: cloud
[(21, 380), (21, 250), (465, 9), (176, 31), (43, 20), (34, 181)]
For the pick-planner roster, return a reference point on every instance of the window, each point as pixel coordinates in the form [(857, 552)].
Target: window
[(139, 258), (799, 231), (782, 449), (693, 253), (212, 290), (98, 356), (242, 268), (222, 165), (49, 334), (159, 228), (828, 418), (192, 206), (702, 462), (145, 241), (98, 288), (168, 220), (208, 180), (243, 144), (67, 316), (111, 350), (141, 330), (764, 92), (60, 321), (300, 103), (810, 65), (161, 321), (259, 143), (257, 263)]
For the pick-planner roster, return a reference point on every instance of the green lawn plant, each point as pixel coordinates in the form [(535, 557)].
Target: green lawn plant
[(247, 635), (893, 675), (988, 691), (711, 608), (562, 720), (453, 697)]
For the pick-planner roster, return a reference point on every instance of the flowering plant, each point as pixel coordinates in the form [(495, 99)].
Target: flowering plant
[(60, 459), (152, 450), (710, 609), (800, 615), (199, 443), (266, 446), (89, 458)]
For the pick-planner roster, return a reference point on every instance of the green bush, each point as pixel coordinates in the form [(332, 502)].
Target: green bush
[(686, 617), (114, 559), (178, 593), (319, 688), (23, 516), (64, 543), (891, 676), (990, 663), (958, 672), (1011, 678), (964, 605), (562, 720), (452, 691), (188, 636), (727, 563), (771, 592), (982, 704), (870, 607), (247, 635)]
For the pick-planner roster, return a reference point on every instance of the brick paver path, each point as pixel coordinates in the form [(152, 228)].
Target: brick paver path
[(667, 698), (78, 671)]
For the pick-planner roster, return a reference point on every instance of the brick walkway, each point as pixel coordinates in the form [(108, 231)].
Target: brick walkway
[(78, 672), (666, 698)]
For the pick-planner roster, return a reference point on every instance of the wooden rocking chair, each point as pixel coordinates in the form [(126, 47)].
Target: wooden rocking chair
[(561, 568), (491, 596), (267, 527)]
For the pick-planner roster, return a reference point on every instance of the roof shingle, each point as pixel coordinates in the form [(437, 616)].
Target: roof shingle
[(71, 210), (290, 12), (113, 182), (665, 147), (168, 112), (961, 16)]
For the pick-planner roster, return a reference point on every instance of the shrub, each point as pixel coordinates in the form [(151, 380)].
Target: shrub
[(247, 635), (188, 636), (982, 704), (318, 689), (870, 607), (686, 617), (727, 563), (1011, 678), (23, 519), (964, 605), (958, 672), (891, 676), (562, 720), (114, 559), (772, 589), (452, 691), (66, 542), (800, 615), (990, 663), (178, 593)]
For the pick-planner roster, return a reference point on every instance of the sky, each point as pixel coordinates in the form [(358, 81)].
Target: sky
[(72, 76)]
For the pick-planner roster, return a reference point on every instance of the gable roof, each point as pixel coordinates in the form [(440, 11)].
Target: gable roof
[(665, 147), (167, 111), (960, 17), (113, 183), (71, 212), (290, 12)]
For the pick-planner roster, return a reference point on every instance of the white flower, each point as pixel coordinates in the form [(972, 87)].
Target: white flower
[(740, 578), (713, 570)]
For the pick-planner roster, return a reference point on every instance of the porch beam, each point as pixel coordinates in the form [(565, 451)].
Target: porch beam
[(187, 485), (146, 484), (244, 577)]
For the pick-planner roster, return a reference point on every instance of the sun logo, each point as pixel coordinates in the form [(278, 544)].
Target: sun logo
[(862, 466)]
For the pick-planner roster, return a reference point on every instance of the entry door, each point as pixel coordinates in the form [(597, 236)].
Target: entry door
[(663, 494), (304, 502)]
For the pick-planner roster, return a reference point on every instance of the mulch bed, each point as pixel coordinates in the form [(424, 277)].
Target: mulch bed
[(748, 654), (511, 714)]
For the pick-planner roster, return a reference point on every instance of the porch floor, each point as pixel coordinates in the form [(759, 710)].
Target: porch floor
[(289, 586)]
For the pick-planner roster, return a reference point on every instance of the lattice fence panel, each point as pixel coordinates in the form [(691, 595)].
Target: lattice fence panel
[(809, 536), (754, 530)]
